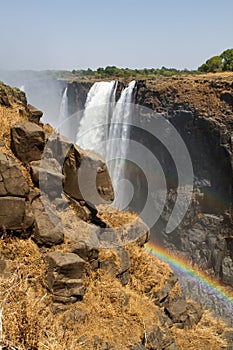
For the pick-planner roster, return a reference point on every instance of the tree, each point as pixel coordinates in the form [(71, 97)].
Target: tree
[(227, 60), (224, 62), (213, 64)]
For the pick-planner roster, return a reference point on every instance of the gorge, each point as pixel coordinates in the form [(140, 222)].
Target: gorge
[(200, 109)]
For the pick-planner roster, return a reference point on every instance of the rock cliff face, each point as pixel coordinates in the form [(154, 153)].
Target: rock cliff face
[(74, 270), (201, 109)]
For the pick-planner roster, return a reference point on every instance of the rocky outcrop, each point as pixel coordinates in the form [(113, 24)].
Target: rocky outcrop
[(34, 114), (66, 181), (12, 181), (15, 213), (27, 141), (48, 230), (64, 278), (87, 168)]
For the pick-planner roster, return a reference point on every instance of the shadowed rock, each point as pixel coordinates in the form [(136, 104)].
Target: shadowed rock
[(12, 181), (34, 114), (48, 228), (87, 177), (64, 276), (27, 141)]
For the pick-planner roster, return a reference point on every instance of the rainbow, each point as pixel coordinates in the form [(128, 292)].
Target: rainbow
[(180, 264)]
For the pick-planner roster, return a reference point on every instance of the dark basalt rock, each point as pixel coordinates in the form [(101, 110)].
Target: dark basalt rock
[(12, 212), (87, 177), (34, 114), (117, 264), (64, 278), (47, 175), (15, 213), (12, 181), (48, 228), (27, 141), (184, 314)]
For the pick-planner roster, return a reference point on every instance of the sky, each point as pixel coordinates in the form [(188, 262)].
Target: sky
[(81, 34)]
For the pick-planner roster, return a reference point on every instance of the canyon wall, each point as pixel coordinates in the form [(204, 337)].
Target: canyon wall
[(201, 110)]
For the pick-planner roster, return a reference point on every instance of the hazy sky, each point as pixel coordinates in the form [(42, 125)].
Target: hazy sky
[(73, 34)]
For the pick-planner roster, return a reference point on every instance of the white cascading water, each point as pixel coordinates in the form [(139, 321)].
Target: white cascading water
[(93, 129), (119, 136), (63, 126), (110, 141)]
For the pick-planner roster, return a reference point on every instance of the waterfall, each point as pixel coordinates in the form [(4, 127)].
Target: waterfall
[(105, 127), (119, 136), (63, 126), (93, 129)]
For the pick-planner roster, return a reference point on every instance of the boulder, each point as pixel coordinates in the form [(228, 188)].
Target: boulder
[(117, 263), (47, 175), (67, 265), (86, 251), (57, 147), (161, 296), (12, 181), (82, 237), (184, 314), (48, 228), (87, 177), (34, 114), (160, 338), (177, 311), (64, 277), (12, 213), (154, 338), (27, 141)]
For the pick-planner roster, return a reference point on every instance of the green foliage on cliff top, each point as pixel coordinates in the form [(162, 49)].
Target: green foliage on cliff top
[(221, 63), (115, 72), (110, 72)]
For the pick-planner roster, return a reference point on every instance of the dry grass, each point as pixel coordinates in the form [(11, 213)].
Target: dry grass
[(8, 117), (147, 272), (116, 314), (205, 335), (114, 217), (22, 296)]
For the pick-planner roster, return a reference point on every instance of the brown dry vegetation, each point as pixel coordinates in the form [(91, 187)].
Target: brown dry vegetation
[(205, 335), (114, 217), (119, 315), (198, 92)]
